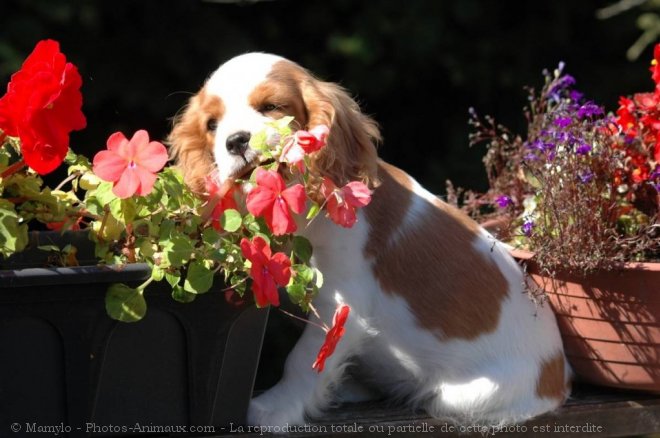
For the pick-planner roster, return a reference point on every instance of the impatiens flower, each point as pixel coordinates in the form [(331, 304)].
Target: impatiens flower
[(342, 203), (273, 201), (332, 337), (42, 106), (223, 201), (293, 154), (503, 201), (268, 271), (314, 139), (130, 165)]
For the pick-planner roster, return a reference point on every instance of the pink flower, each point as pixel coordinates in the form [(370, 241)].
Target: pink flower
[(130, 165), (314, 139), (293, 154), (268, 270), (332, 337), (341, 204), (274, 202)]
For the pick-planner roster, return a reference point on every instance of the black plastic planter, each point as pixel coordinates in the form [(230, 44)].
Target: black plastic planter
[(64, 362)]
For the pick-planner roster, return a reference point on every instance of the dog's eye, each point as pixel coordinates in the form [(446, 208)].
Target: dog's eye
[(212, 124), (267, 107)]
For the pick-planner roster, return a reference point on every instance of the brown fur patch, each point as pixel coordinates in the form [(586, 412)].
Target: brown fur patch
[(281, 88), (351, 152), (450, 287), (191, 142), (552, 379)]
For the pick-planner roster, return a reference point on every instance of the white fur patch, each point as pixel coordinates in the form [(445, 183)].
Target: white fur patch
[(233, 82)]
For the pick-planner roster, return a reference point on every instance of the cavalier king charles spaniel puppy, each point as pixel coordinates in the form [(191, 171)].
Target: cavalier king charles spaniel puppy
[(440, 316)]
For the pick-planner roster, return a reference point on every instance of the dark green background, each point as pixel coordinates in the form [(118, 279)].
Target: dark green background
[(415, 65)]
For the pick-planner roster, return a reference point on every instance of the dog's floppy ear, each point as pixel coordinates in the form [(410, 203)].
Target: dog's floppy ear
[(191, 140), (351, 152)]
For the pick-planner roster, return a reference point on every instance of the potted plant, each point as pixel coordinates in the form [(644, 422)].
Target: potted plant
[(578, 200), (126, 232)]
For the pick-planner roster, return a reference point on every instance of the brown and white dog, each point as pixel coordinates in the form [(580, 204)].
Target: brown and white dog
[(440, 317)]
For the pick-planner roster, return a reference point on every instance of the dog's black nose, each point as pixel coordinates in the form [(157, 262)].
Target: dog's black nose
[(238, 142)]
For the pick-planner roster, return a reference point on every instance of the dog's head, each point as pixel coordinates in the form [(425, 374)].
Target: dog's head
[(214, 130)]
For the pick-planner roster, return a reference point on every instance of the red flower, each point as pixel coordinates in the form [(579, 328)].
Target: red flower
[(223, 201), (273, 201), (268, 270), (42, 106), (312, 140), (130, 165), (342, 203), (626, 118), (655, 66), (640, 168), (332, 337)]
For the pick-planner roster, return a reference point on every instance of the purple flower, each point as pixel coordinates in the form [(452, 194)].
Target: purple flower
[(575, 95), (586, 177), (583, 149), (656, 172), (503, 201), (527, 227), (589, 109), (562, 122)]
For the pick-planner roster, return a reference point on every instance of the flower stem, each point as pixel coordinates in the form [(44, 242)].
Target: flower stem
[(66, 180), (9, 171), (325, 329)]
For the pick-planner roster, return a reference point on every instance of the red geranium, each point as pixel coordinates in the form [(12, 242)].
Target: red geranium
[(332, 337), (42, 106), (268, 270), (271, 200), (130, 165)]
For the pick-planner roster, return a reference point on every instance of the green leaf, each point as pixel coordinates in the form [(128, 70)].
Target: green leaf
[(13, 234), (177, 250), (124, 210), (49, 248), (199, 278), (296, 292), (282, 125), (231, 220), (302, 248), (314, 210), (103, 193), (173, 278), (157, 273), (124, 303), (319, 278), (210, 236), (258, 141), (181, 295)]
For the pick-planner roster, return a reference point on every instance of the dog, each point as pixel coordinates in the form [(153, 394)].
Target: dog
[(440, 317)]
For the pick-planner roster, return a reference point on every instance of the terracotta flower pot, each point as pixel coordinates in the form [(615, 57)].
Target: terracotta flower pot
[(609, 322)]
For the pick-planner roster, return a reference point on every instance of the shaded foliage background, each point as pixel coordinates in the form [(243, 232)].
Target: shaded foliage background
[(415, 65)]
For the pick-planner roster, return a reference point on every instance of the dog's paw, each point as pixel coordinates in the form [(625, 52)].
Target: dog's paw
[(275, 415)]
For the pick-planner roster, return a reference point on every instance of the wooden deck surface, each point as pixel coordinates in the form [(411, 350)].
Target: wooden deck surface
[(591, 412)]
